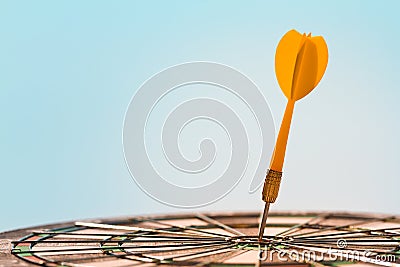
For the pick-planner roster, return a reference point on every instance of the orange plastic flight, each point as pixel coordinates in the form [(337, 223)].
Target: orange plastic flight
[(300, 63)]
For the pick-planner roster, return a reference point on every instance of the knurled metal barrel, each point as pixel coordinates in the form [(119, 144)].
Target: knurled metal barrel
[(271, 186)]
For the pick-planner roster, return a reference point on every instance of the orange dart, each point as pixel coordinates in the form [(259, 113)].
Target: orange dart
[(300, 63)]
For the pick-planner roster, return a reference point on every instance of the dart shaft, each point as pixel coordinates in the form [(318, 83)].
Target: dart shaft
[(263, 220), (278, 156)]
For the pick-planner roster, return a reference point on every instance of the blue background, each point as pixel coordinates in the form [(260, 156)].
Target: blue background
[(68, 70)]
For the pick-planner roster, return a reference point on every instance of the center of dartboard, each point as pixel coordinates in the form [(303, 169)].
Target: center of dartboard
[(253, 241)]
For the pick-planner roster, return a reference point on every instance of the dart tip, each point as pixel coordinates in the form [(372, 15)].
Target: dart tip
[(263, 221)]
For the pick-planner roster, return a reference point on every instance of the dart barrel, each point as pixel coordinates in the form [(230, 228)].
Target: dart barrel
[(271, 186)]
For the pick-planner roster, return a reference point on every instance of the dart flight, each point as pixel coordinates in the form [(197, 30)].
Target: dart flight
[(300, 63)]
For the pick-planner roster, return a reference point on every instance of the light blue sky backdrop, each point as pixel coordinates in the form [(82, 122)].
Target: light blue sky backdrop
[(68, 70)]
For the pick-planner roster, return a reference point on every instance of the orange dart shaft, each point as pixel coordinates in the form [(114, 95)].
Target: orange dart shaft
[(278, 157)]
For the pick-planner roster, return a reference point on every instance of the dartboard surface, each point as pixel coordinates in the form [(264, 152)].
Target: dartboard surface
[(210, 239)]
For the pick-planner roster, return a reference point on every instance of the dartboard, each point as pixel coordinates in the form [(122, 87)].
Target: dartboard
[(210, 239)]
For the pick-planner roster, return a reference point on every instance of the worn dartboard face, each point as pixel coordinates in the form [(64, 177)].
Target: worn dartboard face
[(229, 239)]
